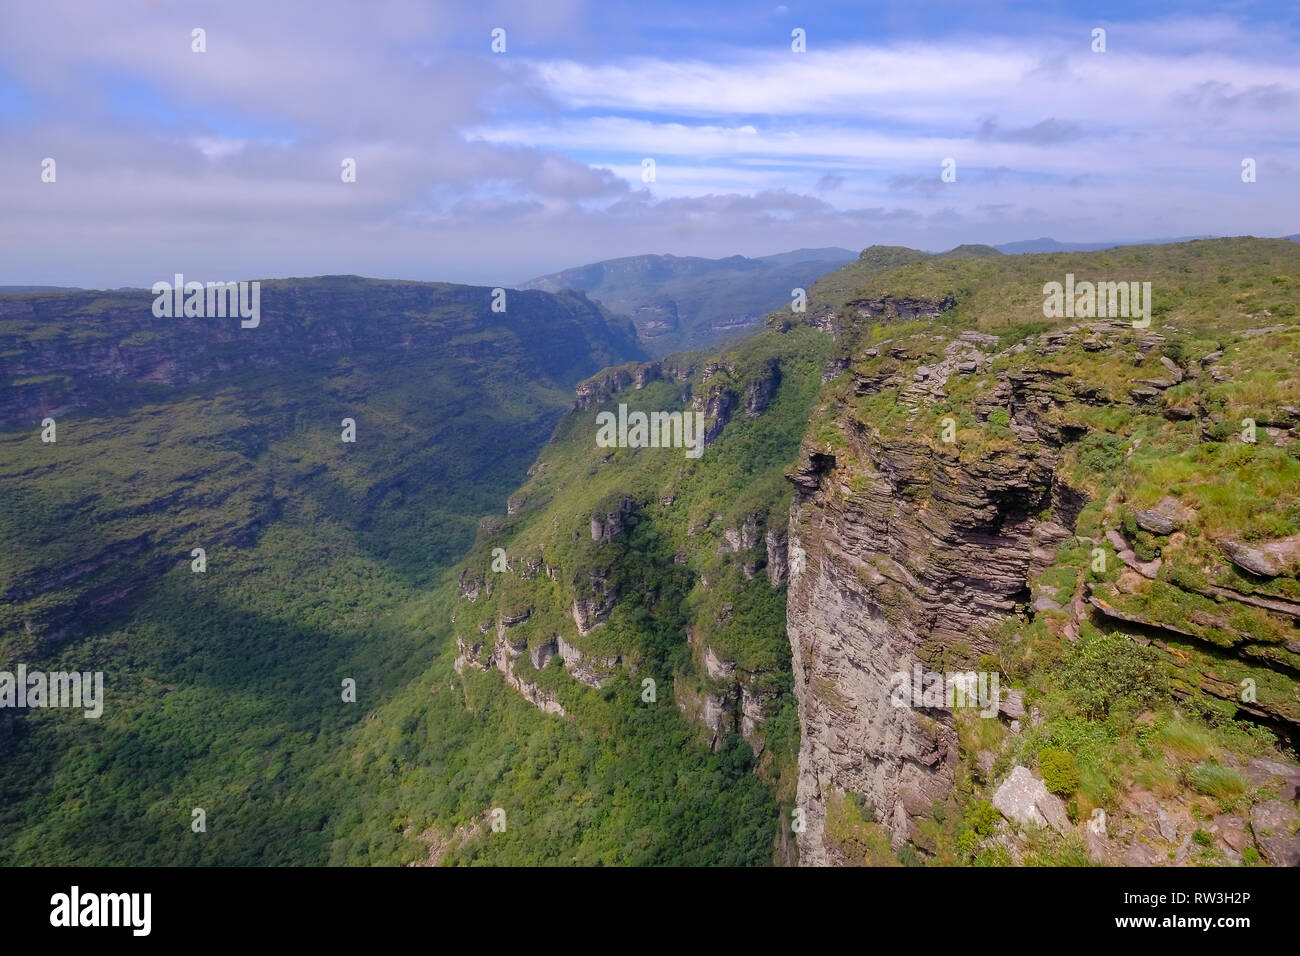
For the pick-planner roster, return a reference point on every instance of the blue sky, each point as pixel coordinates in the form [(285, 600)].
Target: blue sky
[(492, 167)]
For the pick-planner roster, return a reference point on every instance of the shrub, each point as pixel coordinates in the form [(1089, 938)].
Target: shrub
[(1219, 431), (1100, 453), (1175, 350), (982, 817), (967, 843), (1108, 670), (1145, 547), (1059, 769)]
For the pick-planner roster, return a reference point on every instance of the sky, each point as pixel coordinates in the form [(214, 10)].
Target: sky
[(490, 167)]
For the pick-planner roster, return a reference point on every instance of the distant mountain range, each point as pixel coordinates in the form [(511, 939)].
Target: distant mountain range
[(1045, 244), (1023, 246), (32, 289), (687, 302)]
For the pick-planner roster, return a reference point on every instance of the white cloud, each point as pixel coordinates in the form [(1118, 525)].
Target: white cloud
[(488, 168)]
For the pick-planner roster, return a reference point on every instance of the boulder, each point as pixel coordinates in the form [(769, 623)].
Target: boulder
[(1262, 771), (1274, 825), (1025, 799), (1267, 559), (1153, 521), (1166, 517), (1011, 704), (1231, 832)]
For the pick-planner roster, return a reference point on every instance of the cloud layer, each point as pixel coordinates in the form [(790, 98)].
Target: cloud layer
[(483, 167)]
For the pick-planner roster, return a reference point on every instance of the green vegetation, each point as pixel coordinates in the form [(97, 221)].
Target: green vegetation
[(377, 561), (1170, 681), (224, 689), (1059, 770)]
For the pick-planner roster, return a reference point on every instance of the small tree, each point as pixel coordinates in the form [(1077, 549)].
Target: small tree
[(1109, 670)]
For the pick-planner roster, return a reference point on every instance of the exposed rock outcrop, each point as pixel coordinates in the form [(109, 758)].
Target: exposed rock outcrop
[(917, 549), (1024, 799)]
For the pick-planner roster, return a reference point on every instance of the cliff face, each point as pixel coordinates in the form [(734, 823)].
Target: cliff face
[(906, 551), (975, 491), (638, 584), (964, 502)]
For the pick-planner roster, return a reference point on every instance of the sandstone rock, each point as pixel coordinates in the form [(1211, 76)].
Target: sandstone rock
[(1147, 569), (716, 668), (1049, 533), (604, 527), (1263, 771), (1097, 845), (1153, 521), (778, 568), (591, 671), (506, 652), (1231, 831), (1024, 799), (1273, 823), (1012, 704), (516, 616), (1139, 854), (469, 587), (1268, 559), (871, 594), (541, 655), (1165, 823)]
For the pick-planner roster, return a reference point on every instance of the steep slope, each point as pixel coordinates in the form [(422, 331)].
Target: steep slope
[(610, 568), (619, 566), (224, 688), (686, 302), (1067, 505)]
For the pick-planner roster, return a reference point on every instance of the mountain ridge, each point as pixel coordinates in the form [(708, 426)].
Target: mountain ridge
[(686, 302)]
